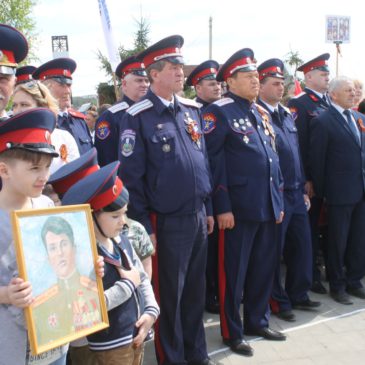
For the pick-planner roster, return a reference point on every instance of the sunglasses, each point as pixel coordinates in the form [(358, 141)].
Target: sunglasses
[(32, 84)]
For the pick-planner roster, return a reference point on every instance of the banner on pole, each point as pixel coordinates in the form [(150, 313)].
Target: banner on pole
[(337, 29), (108, 35)]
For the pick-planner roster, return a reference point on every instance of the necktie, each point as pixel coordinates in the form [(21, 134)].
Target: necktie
[(171, 108), (324, 99), (277, 115), (350, 123)]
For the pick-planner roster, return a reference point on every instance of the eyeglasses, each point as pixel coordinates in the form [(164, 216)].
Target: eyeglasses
[(33, 83)]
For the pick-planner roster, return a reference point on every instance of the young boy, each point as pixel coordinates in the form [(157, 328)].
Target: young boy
[(130, 300), (25, 156)]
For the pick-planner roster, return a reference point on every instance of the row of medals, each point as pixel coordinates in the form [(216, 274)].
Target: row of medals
[(242, 124)]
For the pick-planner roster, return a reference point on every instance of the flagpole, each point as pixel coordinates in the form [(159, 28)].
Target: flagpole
[(338, 52)]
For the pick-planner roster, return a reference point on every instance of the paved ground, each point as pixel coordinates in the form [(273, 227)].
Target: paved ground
[(331, 335)]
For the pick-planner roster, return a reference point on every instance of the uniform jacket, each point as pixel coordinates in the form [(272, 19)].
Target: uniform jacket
[(74, 123), (337, 160), (125, 302), (245, 167), (163, 159), (287, 147), (107, 131), (304, 107)]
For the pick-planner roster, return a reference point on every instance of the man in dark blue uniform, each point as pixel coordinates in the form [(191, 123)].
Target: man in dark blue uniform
[(247, 201), (134, 85), (165, 168), (13, 50), (294, 233), (57, 76), (337, 162), (204, 80), (208, 90), (312, 102)]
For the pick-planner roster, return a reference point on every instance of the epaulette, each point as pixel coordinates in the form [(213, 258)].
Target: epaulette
[(88, 283), (118, 107), (261, 109), (199, 104), (188, 102), (140, 107), (75, 113), (45, 296), (223, 101), (299, 95)]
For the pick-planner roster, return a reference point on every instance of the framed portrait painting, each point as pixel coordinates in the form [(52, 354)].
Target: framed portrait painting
[(56, 252)]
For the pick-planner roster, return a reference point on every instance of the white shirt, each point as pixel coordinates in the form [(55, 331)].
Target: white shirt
[(66, 146)]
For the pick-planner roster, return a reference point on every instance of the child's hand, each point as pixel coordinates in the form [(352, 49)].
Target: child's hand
[(99, 267), (144, 324), (133, 275), (19, 293)]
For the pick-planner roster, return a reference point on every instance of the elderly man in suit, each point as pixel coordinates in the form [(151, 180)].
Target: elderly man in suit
[(337, 162)]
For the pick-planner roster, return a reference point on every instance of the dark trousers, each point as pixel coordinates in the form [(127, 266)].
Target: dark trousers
[(314, 215), (181, 255), (346, 237), (211, 273), (247, 262), (295, 245)]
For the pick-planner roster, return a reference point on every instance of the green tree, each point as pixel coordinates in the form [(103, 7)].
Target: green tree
[(293, 59), (19, 14)]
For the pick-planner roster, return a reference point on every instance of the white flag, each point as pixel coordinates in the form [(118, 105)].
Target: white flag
[(108, 34)]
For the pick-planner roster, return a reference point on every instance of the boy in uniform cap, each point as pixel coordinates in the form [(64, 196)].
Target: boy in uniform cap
[(24, 74), (13, 50), (241, 147), (204, 80), (164, 166), (57, 76), (311, 103), (25, 156), (294, 233), (134, 85), (130, 300), (208, 90)]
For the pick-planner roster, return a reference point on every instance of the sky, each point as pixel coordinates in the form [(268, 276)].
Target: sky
[(271, 29)]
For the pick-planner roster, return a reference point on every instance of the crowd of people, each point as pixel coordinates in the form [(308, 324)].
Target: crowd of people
[(222, 192)]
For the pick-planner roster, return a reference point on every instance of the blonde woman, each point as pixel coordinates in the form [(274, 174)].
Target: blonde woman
[(32, 95)]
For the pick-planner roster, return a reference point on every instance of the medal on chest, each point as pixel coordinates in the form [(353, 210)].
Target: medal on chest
[(192, 128)]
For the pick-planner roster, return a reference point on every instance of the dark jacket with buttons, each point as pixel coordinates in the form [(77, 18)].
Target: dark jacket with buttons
[(245, 166), (163, 159)]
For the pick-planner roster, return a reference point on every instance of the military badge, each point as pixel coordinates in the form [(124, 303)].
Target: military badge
[(313, 97), (102, 130), (192, 129), (294, 112), (128, 140), (63, 152), (209, 122)]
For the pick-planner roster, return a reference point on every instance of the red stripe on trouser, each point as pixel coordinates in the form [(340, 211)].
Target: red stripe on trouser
[(274, 304), (222, 285), (160, 353)]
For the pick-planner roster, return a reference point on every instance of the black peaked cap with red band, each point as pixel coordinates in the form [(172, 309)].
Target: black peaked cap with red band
[(24, 74), (30, 130), (60, 69), (318, 63), (72, 172), (207, 70), (13, 49), (167, 49), (274, 67), (99, 189), (131, 65), (242, 60)]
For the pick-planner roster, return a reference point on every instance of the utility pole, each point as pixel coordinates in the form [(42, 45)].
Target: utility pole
[(210, 37)]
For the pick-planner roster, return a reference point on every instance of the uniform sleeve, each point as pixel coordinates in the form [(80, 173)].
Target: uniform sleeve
[(318, 151), (300, 116), (132, 157), (106, 138), (215, 131)]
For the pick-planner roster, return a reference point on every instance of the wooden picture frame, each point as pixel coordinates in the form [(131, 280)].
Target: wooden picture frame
[(56, 251)]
